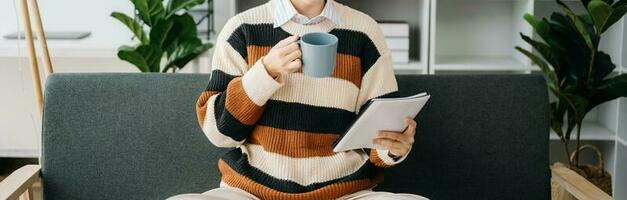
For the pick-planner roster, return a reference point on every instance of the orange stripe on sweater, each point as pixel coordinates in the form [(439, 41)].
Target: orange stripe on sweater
[(240, 105), (348, 67), (255, 53), (201, 106), (333, 191), (292, 143)]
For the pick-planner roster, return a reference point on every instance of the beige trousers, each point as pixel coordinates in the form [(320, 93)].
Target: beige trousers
[(229, 193)]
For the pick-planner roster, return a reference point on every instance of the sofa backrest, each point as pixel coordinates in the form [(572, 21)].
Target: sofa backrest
[(135, 136)]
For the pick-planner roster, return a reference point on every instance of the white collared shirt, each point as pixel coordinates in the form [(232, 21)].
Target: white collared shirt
[(285, 11)]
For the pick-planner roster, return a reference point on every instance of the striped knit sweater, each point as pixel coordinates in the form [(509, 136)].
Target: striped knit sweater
[(282, 130)]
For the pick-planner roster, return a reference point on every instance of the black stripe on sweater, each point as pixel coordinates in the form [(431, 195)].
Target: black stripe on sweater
[(227, 124), (219, 80), (238, 161), (358, 44), (297, 116), (351, 42)]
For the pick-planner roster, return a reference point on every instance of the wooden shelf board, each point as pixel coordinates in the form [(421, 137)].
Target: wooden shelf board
[(478, 63), (590, 131)]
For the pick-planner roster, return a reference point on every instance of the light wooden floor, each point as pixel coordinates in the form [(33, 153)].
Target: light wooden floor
[(8, 165)]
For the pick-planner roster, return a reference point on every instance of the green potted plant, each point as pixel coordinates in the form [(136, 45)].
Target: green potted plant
[(577, 72), (171, 34)]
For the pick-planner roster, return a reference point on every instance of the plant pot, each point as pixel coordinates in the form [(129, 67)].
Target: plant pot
[(595, 174)]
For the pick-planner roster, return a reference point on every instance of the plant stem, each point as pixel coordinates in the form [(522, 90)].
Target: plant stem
[(578, 144), (565, 145), (592, 58)]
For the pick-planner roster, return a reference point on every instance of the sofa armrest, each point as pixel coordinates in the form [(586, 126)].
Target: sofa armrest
[(576, 184), (20, 182)]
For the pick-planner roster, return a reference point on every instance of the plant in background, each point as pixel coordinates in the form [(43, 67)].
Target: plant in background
[(171, 33), (576, 70)]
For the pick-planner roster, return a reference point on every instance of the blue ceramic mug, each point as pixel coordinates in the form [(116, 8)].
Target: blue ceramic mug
[(318, 53)]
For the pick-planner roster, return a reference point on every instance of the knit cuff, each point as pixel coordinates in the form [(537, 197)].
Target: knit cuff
[(382, 158), (259, 85)]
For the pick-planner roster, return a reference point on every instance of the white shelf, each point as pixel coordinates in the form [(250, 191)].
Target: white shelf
[(620, 172), (478, 63), (590, 131), (478, 36), (415, 13)]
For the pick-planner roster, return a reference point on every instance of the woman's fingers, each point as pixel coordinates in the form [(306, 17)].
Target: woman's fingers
[(294, 55), (393, 146), (286, 41), (386, 143), (411, 126), (293, 66), (393, 136), (290, 48)]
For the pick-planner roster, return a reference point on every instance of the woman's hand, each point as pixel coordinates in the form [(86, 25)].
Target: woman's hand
[(283, 58), (397, 143)]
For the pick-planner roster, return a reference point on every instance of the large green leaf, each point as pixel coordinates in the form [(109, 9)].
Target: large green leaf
[(600, 12), (581, 28), (575, 50), (603, 66), (617, 14), (544, 50), (557, 118), (161, 32), (132, 25), (546, 70), (610, 89), (620, 3), (531, 20), (585, 3), (616, 86), (185, 51), (145, 57), (185, 25), (176, 5), (149, 10), (563, 5), (576, 104), (129, 54), (571, 122)]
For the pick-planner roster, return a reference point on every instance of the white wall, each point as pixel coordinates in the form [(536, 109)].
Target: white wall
[(73, 15)]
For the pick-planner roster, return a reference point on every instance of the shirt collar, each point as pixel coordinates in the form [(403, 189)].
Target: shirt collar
[(285, 11)]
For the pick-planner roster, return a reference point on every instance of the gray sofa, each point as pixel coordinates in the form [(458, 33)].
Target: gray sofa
[(135, 136)]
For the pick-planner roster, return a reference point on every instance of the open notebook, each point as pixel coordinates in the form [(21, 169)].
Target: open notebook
[(380, 114)]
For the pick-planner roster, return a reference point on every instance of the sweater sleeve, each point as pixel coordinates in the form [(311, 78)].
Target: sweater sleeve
[(378, 81), (235, 97)]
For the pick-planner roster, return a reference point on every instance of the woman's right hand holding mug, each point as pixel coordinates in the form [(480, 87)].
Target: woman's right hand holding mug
[(284, 57)]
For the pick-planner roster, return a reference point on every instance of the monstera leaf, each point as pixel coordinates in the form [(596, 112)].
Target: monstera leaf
[(577, 72), (172, 34)]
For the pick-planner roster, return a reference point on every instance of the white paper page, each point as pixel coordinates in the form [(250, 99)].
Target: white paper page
[(380, 115)]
